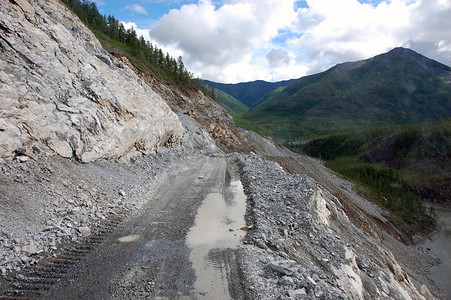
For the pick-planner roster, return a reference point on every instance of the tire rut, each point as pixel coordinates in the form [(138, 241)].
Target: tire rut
[(35, 282)]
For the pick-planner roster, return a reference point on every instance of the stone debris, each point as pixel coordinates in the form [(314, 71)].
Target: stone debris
[(30, 249), (295, 294), (286, 267), (66, 201), (306, 247), (85, 231)]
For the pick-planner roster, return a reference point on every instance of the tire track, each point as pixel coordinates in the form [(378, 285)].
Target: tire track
[(35, 282)]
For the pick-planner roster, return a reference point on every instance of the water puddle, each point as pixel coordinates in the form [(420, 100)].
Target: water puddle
[(440, 245), (129, 238), (217, 226)]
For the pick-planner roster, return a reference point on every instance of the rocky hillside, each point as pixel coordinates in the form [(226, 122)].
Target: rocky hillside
[(92, 147), (62, 92)]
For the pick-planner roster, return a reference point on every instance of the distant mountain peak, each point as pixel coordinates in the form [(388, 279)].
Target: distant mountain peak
[(402, 50)]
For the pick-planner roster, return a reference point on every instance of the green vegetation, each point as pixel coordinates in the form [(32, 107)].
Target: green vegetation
[(395, 166), (398, 87), (249, 93), (383, 185), (142, 54), (232, 105)]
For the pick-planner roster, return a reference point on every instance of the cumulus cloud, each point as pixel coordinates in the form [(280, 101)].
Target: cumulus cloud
[(136, 8), (244, 40), (224, 39), (431, 30), (337, 31), (278, 58)]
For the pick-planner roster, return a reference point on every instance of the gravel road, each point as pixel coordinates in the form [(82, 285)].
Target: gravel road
[(147, 255)]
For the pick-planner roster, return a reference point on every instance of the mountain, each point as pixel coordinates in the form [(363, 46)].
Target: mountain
[(249, 93), (232, 104), (397, 87), (110, 190)]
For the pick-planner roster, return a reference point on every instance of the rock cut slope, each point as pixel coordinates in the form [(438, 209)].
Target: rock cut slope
[(77, 100)]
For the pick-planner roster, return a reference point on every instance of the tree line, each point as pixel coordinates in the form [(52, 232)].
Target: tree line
[(143, 54)]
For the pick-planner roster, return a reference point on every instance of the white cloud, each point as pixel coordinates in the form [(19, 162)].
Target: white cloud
[(278, 58), (222, 41), (431, 30), (346, 30), (174, 52), (337, 31), (244, 40), (136, 8)]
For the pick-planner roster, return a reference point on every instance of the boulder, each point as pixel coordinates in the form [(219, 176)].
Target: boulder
[(85, 231), (286, 267), (30, 249)]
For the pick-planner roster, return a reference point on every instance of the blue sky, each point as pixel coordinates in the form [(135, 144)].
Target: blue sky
[(146, 13), (245, 40), (143, 13)]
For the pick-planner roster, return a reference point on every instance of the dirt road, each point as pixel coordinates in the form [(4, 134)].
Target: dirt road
[(147, 255)]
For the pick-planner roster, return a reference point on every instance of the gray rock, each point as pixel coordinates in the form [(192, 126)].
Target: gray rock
[(296, 294), (76, 101), (286, 280), (85, 231), (25, 259), (31, 249), (23, 159), (287, 267), (262, 244), (309, 279)]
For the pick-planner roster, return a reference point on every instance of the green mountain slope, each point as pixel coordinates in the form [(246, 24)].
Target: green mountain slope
[(248, 93), (420, 154), (397, 87), (230, 103)]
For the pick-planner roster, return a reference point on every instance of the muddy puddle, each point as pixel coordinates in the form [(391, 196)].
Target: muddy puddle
[(217, 226), (439, 244), (129, 238)]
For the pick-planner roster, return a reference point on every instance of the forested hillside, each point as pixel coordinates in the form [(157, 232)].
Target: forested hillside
[(143, 54), (395, 166), (249, 93), (398, 87)]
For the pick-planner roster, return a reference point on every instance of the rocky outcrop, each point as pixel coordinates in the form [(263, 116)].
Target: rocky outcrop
[(61, 91)]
